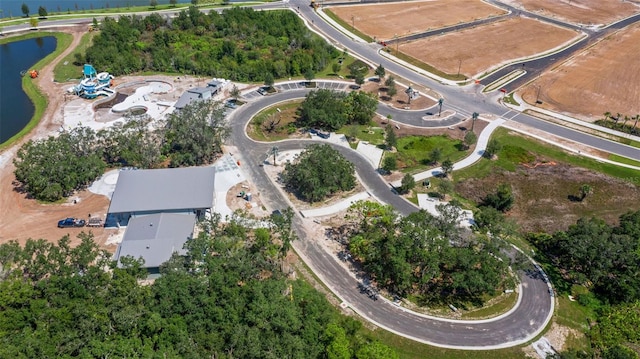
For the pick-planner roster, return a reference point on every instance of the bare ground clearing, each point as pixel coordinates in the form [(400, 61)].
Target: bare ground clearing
[(383, 21), (594, 81), (546, 195), (479, 49), (585, 12)]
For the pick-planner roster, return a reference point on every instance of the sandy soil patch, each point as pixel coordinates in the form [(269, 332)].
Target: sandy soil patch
[(487, 46), (586, 12), (383, 21), (401, 99), (590, 84)]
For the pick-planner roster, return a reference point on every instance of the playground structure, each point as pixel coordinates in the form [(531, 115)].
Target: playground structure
[(93, 84), (33, 73)]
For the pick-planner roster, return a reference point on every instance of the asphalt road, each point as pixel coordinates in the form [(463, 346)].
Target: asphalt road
[(460, 99), (519, 326)]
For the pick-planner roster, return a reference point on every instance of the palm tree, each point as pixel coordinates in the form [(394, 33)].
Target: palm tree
[(474, 117), (626, 118), (440, 102), (607, 115), (637, 118), (617, 118)]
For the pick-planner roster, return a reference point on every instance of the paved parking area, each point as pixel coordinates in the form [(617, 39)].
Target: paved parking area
[(299, 85)]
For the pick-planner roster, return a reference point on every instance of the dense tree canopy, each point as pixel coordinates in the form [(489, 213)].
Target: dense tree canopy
[(194, 135), (429, 257), (330, 110), (318, 172), (599, 255), (227, 298), (55, 167), (240, 44)]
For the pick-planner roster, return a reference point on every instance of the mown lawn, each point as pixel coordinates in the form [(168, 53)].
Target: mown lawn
[(414, 151), (65, 70)]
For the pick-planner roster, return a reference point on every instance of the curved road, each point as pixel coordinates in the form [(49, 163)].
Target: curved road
[(519, 326)]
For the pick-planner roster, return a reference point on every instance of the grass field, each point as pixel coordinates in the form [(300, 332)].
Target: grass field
[(286, 117), (414, 151), (40, 102), (65, 70)]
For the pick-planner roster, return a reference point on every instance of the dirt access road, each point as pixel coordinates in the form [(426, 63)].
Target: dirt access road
[(24, 218)]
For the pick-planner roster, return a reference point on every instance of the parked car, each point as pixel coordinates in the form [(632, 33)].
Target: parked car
[(71, 222), (230, 104), (262, 91)]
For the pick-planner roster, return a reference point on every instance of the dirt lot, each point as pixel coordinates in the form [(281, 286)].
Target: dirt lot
[(586, 12), (546, 195), (383, 21), (479, 49), (400, 100), (589, 84)]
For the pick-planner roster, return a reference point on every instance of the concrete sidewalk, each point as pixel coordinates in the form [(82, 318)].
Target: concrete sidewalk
[(335, 208), (481, 145)]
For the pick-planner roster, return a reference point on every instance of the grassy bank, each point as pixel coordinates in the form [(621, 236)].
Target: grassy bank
[(39, 101), (65, 70)]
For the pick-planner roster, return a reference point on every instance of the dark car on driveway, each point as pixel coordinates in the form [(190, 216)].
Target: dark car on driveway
[(71, 222)]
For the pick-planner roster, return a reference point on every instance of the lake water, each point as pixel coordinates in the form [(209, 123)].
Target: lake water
[(15, 107), (13, 8)]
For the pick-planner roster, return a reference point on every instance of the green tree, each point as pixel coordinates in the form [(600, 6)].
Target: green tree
[(359, 80), (53, 168), (389, 163), (585, 190), (407, 184), (376, 350), (360, 107), (445, 187), (173, 3), (390, 82), (502, 199), (435, 155), (324, 109), (194, 2), (153, 4), (268, 80), (619, 352), (338, 347), (390, 138), (493, 147), (33, 22), (235, 93), (194, 135), (335, 67), (470, 139), (309, 75), (42, 12), (488, 219), (25, 10), (391, 91), (447, 167), (380, 72), (319, 171)]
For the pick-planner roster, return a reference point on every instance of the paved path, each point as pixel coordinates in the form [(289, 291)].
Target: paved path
[(474, 157)]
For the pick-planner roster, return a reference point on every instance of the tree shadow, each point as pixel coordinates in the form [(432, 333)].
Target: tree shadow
[(573, 198)]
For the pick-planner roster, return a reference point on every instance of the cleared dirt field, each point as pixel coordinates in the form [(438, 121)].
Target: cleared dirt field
[(485, 47), (604, 78), (403, 18), (545, 195), (586, 12)]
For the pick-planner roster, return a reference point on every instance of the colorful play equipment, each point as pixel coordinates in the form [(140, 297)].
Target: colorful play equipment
[(93, 84)]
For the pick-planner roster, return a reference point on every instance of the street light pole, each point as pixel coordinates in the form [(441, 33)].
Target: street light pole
[(538, 96), (353, 22), (459, 66)]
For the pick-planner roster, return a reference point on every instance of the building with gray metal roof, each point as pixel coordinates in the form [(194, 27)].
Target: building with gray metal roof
[(163, 190), (156, 237)]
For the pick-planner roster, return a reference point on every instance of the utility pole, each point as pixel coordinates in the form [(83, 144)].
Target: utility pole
[(440, 102), (353, 22), (459, 66), (538, 96)]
